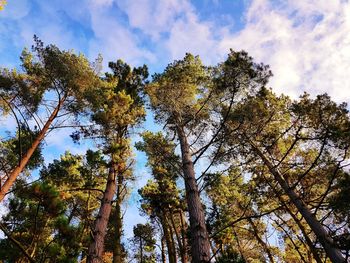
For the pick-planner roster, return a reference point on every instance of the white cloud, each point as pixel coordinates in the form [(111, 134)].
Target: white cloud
[(191, 35), (154, 17), (307, 44), (174, 28), (114, 40), (101, 2), (8, 123)]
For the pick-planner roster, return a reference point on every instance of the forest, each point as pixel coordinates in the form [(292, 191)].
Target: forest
[(238, 173)]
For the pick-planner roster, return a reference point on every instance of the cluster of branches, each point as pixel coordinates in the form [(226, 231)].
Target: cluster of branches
[(239, 174)]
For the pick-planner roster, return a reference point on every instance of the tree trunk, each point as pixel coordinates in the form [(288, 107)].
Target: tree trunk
[(141, 250), (301, 227), (118, 224), (183, 235), (240, 249), (168, 239), (200, 245), (96, 248), (117, 249), (182, 249), (162, 242), (173, 245), (26, 157), (327, 242)]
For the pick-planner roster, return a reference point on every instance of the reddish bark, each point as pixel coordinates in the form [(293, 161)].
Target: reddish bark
[(26, 157), (96, 248)]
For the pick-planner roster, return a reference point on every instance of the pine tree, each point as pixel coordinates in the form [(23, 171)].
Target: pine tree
[(52, 81)]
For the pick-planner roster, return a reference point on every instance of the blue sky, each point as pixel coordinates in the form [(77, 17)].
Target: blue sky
[(306, 42)]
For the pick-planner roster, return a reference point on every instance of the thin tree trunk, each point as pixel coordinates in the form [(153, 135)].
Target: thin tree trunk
[(118, 224), (117, 249), (322, 235), (162, 242), (291, 240), (301, 227), (200, 245), (256, 234), (141, 250), (17, 244), (96, 248), (26, 157), (178, 239), (183, 235), (240, 249), (173, 246), (168, 239)]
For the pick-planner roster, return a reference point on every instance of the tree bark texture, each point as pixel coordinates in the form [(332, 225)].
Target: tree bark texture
[(200, 246), (301, 227), (26, 157), (168, 239), (162, 242), (96, 248), (118, 224), (184, 236)]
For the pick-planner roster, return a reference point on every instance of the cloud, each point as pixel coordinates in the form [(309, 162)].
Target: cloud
[(305, 42), (191, 35), (114, 40), (173, 27), (154, 17), (98, 3)]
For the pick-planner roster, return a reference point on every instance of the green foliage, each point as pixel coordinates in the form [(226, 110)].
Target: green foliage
[(231, 200), (160, 155), (306, 139), (177, 93), (145, 242), (128, 80), (226, 112), (51, 216), (340, 199), (2, 4), (13, 149), (230, 257), (46, 69)]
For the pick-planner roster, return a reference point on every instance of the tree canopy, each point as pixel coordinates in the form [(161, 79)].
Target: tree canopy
[(238, 173)]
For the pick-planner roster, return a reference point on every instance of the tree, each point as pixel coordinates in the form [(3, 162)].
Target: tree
[(234, 222), (2, 4), (186, 97), (174, 96), (144, 240), (60, 75), (115, 109), (161, 196), (49, 220), (301, 144)]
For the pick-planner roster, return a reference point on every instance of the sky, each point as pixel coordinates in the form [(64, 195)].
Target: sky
[(305, 42)]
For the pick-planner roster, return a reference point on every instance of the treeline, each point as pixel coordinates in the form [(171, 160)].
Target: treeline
[(238, 174)]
